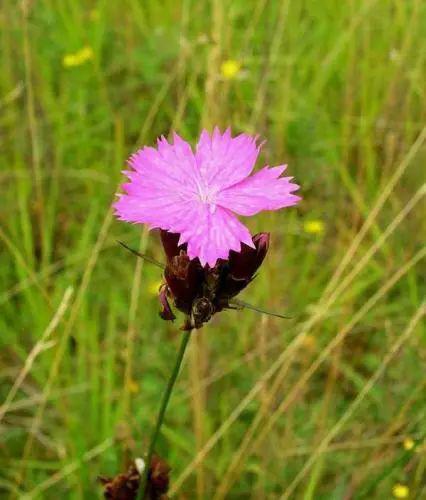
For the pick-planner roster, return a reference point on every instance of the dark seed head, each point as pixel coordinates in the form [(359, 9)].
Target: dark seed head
[(125, 486)]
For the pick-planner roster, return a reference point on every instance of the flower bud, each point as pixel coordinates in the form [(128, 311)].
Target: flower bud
[(183, 276), (243, 265)]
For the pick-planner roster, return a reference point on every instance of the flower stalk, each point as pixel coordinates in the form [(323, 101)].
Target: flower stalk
[(164, 403)]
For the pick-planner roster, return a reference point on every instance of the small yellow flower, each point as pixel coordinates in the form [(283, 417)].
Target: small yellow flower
[(78, 58), (309, 342), (230, 69), (408, 444), (154, 287), (94, 14), (400, 491), (313, 226), (133, 386)]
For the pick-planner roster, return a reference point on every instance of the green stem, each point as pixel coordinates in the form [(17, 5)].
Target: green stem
[(163, 408)]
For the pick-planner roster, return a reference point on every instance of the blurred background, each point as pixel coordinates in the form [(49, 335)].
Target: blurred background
[(330, 404)]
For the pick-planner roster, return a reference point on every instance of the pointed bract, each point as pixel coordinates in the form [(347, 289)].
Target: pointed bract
[(166, 312), (170, 243)]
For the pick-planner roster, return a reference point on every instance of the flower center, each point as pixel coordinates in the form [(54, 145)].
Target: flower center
[(206, 195)]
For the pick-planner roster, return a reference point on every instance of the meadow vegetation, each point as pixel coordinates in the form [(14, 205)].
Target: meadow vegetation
[(330, 404)]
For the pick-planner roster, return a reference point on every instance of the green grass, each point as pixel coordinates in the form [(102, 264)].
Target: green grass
[(308, 408)]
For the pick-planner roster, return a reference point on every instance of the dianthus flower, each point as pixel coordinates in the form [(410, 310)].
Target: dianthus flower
[(198, 194), (194, 198)]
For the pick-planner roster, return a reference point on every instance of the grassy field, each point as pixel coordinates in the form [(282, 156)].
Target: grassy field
[(330, 404)]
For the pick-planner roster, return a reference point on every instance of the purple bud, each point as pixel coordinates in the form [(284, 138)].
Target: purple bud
[(243, 264), (241, 268), (185, 279)]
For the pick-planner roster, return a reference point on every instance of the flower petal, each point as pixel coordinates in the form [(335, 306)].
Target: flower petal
[(164, 211), (211, 232), (160, 181), (224, 160), (172, 165), (265, 190)]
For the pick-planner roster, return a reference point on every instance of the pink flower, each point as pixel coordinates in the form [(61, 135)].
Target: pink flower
[(198, 194)]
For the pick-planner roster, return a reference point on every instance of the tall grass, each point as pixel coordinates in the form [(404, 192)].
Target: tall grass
[(315, 407)]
